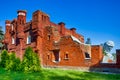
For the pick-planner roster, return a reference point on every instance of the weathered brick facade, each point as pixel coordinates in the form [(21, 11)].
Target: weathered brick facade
[(55, 45)]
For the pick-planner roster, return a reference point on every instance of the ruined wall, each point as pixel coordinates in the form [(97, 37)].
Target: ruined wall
[(96, 55), (70, 53), (54, 43)]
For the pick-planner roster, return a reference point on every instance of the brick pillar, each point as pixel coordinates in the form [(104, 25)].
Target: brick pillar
[(7, 36), (62, 28), (118, 56), (40, 48)]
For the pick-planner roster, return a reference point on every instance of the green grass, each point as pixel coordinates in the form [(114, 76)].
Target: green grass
[(56, 74)]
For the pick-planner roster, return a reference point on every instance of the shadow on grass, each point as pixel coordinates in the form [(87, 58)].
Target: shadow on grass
[(63, 78), (54, 74), (29, 76)]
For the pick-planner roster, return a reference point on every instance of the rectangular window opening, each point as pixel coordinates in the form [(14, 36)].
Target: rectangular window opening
[(13, 40), (87, 55), (12, 26), (29, 39), (17, 41), (48, 37)]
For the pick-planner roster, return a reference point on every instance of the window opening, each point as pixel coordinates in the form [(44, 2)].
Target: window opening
[(87, 55), (13, 41), (48, 56), (29, 39), (48, 37)]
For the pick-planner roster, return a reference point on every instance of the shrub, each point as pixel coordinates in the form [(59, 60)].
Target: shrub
[(17, 65), (10, 62), (13, 63), (30, 61), (4, 58)]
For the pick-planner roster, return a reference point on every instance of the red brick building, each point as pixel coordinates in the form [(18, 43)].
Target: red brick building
[(56, 45)]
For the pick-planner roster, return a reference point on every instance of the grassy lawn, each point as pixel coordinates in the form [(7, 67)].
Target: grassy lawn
[(56, 74)]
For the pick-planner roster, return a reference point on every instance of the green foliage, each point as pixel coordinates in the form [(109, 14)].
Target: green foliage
[(10, 62), (88, 41), (4, 58), (17, 64), (1, 37), (114, 55), (30, 61), (104, 52), (1, 33), (13, 63), (56, 74)]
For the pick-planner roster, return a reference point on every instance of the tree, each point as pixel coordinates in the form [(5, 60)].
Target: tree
[(1, 32), (114, 55), (1, 37), (13, 63), (4, 58), (30, 61), (88, 41), (104, 52), (10, 62)]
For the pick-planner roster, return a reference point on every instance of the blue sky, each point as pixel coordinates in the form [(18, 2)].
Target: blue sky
[(97, 19)]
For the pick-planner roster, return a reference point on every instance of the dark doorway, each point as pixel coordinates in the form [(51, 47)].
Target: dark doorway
[(56, 55)]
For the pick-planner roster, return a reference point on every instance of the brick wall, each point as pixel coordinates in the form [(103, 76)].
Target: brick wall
[(96, 54), (53, 42)]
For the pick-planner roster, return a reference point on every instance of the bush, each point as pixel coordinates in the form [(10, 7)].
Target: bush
[(17, 64), (30, 61), (4, 58), (13, 63), (10, 62)]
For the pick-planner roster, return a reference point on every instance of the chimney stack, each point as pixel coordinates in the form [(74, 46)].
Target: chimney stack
[(73, 30), (7, 23), (21, 18), (62, 28)]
